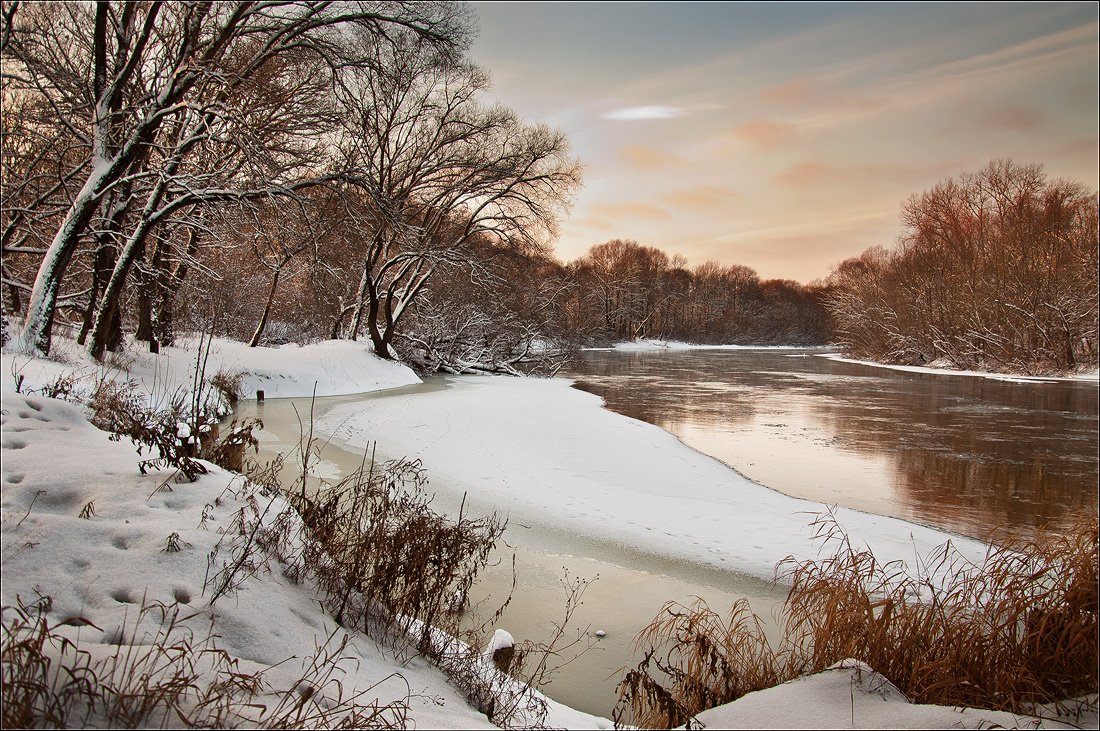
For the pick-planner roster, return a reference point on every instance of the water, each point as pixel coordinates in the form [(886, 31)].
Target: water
[(959, 453), (963, 454)]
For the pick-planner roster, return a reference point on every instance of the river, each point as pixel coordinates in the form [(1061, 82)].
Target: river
[(963, 454)]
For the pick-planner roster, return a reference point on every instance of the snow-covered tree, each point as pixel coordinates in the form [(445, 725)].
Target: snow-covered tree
[(162, 108)]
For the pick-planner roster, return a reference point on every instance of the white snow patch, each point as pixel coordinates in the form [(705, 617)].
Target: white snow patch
[(543, 451), (1007, 377)]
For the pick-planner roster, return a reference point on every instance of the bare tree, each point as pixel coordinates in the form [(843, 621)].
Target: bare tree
[(438, 170), (170, 80), (995, 269)]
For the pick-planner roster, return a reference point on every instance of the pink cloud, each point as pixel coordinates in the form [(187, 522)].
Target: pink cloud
[(630, 210), (648, 158), (804, 173), (1016, 118), (703, 197), (764, 133)]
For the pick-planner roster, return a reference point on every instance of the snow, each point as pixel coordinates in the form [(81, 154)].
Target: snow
[(83, 526), (1092, 375), (502, 639), (542, 451), (852, 695), (332, 367), (103, 567), (648, 345)]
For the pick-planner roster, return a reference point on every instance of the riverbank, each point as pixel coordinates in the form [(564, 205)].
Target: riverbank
[(85, 528), (650, 344)]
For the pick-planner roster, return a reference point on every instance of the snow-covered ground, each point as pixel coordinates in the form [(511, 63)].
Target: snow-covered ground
[(84, 527), (542, 451), (650, 345), (1092, 375)]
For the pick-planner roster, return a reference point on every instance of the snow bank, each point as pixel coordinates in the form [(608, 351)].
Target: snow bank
[(334, 367), (852, 695), (82, 526), (542, 451), (646, 344), (1093, 375)]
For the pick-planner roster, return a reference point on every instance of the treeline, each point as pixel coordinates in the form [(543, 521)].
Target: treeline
[(995, 270), (623, 290)]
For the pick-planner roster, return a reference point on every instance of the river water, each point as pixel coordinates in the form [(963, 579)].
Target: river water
[(963, 454)]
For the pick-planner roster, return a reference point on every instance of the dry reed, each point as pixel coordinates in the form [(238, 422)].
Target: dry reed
[(1016, 632), (158, 674)]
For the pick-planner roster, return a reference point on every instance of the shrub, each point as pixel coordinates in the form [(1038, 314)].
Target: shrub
[(382, 554)]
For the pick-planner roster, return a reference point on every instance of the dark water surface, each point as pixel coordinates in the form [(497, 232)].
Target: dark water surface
[(965, 454)]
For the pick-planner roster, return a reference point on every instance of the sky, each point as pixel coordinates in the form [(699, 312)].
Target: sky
[(786, 136)]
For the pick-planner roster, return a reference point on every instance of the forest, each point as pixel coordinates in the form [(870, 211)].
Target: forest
[(995, 270), (298, 171)]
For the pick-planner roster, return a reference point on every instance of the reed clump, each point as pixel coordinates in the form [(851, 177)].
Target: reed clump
[(1016, 632)]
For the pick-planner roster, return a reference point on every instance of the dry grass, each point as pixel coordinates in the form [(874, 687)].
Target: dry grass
[(382, 555), (1017, 632), (157, 674)]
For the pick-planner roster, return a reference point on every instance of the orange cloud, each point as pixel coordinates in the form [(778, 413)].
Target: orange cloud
[(593, 222), (764, 133), (1016, 118), (630, 210), (705, 197), (814, 172), (796, 92), (648, 158), (806, 93), (804, 173)]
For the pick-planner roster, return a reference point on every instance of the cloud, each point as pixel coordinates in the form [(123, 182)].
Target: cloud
[(704, 197), (642, 157), (1015, 118), (804, 173), (634, 114), (796, 92), (815, 172), (630, 210), (764, 133)]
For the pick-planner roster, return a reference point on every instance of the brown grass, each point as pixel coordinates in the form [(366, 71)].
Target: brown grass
[(382, 555), (157, 674), (1017, 632)]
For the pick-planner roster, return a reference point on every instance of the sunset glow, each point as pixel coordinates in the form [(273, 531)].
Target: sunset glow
[(786, 136)]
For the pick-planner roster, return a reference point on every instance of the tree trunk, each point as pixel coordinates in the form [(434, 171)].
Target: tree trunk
[(267, 307)]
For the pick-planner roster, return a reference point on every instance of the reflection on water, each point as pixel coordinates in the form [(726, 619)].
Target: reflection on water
[(964, 454)]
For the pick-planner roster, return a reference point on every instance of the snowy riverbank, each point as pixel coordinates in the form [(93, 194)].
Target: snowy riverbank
[(84, 527), (652, 345)]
